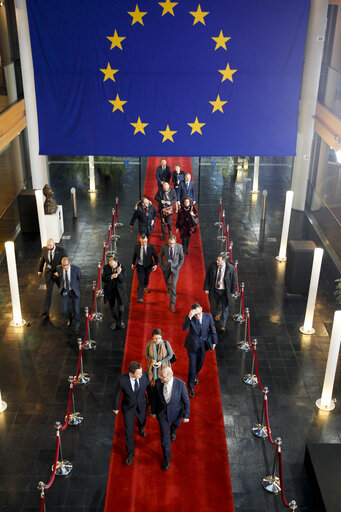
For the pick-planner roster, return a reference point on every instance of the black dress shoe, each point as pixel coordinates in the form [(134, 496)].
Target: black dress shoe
[(173, 436), (122, 325), (191, 393), (129, 459), (142, 432), (196, 382), (113, 326), (146, 290), (165, 465)]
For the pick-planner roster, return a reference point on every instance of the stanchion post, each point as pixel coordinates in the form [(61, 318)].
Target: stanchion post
[(17, 320), (98, 317), (292, 505), (230, 249), (222, 237), (114, 236), (282, 255), (73, 202), (219, 222), (236, 294), (255, 176), (326, 403), (264, 199), (307, 327), (75, 418), (244, 344), (238, 317), (250, 378), (100, 292), (63, 467), (271, 483), (259, 429), (89, 344), (83, 378), (118, 224)]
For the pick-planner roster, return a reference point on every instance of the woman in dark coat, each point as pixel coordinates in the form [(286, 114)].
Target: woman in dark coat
[(145, 213), (113, 278), (186, 221)]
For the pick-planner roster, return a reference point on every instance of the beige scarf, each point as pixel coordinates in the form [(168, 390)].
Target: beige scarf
[(161, 354)]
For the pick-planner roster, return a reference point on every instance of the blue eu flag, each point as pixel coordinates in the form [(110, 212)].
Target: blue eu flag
[(142, 77)]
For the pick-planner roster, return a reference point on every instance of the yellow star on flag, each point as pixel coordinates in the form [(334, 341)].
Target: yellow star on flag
[(139, 126), (167, 134), (118, 103), (196, 126), (109, 73), (227, 73), (218, 104), (221, 41), (168, 6), (137, 15), (199, 15), (115, 40)]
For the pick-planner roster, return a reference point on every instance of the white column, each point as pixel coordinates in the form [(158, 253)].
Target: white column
[(307, 328), (282, 255), (14, 287), (326, 402), (92, 184), (309, 89), (41, 216), (255, 175), (38, 162)]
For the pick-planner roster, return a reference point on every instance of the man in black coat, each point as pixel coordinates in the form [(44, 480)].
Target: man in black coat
[(69, 277), (133, 385), (51, 257), (201, 337), (113, 277), (145, 214), (145, 261), (166, 197), (163, 173), (186, 189), (220, 281), (170, 404)]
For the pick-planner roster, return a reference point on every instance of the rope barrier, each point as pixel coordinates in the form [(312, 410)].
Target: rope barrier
[(64, 427), (286, 504), (47, 486), (266, 412), (116, 209), (249, 331)]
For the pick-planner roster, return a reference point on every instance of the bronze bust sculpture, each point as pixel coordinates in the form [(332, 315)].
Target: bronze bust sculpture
[(50, 205)]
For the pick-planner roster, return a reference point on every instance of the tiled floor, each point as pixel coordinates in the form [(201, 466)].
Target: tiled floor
[(36, 360)]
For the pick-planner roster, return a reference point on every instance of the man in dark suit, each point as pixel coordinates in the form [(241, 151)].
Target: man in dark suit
[(163, 173), (220, 281), (145, 213), (201, 329), (51, 257), (69, 277), (133, 386), (186, 189), (171, 258), (145, 261), (114, 279), (170, 404), (166, 197)]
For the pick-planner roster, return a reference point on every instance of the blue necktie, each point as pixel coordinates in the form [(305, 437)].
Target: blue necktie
[(136, 387), (171, 253)]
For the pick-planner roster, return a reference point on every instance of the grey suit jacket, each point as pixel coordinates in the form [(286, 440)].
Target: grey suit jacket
[(177, 260)]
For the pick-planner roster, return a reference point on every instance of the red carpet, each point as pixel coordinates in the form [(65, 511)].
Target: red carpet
[(199, 477)]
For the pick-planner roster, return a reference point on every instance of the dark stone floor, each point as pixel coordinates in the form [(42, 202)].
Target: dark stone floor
[(36, 360)]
